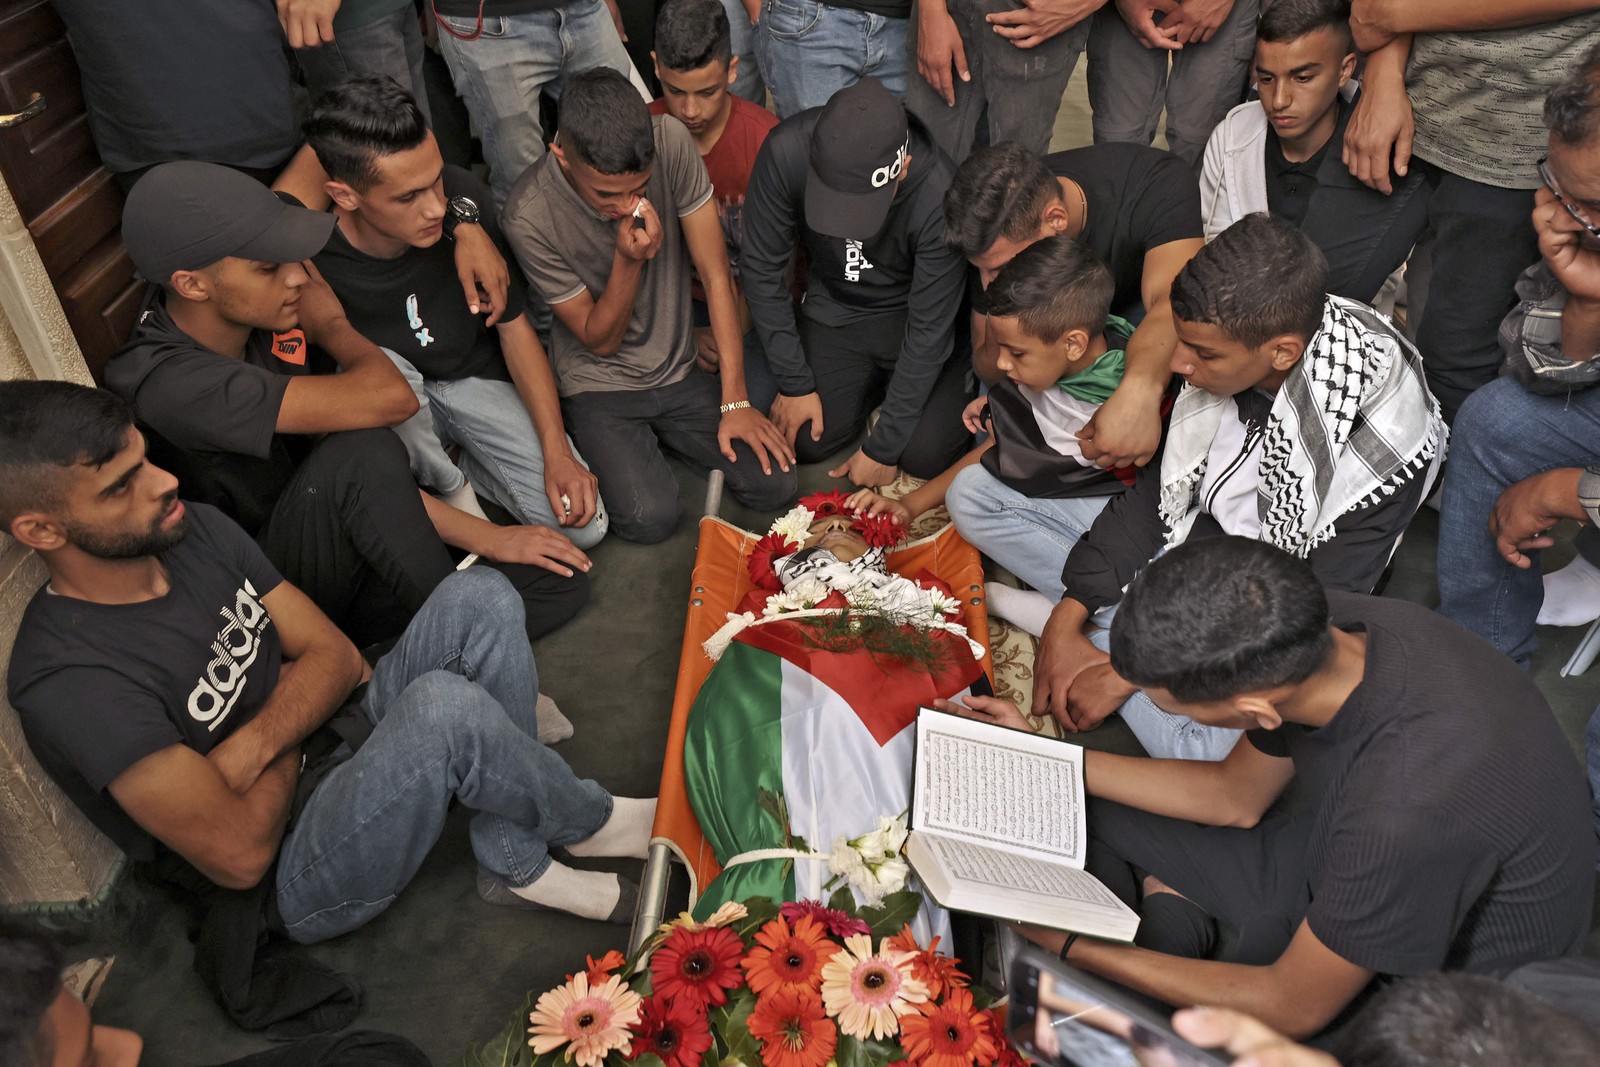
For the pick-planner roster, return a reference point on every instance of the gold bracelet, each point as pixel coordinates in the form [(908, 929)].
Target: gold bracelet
[(737, 405)]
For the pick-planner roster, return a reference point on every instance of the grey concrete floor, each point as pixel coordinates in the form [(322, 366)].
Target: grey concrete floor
[(445, 969)]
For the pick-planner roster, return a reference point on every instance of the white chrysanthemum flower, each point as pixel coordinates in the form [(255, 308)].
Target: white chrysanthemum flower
[(796, 525)]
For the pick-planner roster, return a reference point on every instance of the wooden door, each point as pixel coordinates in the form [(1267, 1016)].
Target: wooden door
[(69, 202)]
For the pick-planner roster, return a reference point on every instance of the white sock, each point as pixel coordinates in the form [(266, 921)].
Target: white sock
[(1026, 609), (464, 499), (1571, 595), (591, 894), (626, 833)]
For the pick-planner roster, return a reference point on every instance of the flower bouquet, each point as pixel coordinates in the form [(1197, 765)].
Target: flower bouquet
[(776, 985)]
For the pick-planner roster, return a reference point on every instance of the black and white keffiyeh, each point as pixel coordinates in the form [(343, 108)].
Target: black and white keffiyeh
[(1351, 424)]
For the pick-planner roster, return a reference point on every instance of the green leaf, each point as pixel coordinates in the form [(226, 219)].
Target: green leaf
[(843, 900), (648, 1059), (732, 1022), (896, 910), (852, 1052)]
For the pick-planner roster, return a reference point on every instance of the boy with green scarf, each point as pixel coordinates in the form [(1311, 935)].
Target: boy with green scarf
[(1026, 494)]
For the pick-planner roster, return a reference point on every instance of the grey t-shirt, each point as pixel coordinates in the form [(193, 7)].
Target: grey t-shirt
[(1478, 98), (566, 247)]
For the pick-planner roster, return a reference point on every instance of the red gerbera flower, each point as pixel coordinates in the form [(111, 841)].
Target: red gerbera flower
[(822, 505), (834, 921), (699, 966), (793, 1029), (936, 972), (952, 1034), (785, 956), (675, 1030), (771, 547), (1007, 1056), (879, 531)]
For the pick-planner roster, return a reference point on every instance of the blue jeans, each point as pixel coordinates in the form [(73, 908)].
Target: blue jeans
[(1502, 435), (1164, 736), (1015, 92), (502, 70), (452, 708), (747, 83), (809, 51), (389, 45), (1130, 85), (1028, 536), (500, 450)]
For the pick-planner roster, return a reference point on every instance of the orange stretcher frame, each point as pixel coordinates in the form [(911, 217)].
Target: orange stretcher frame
[(719, 583)]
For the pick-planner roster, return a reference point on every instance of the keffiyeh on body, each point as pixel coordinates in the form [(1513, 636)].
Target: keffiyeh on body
[(1351, 424)]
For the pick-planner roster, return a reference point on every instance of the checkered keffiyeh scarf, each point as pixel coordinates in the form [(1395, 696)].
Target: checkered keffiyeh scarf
[(1353, 422)]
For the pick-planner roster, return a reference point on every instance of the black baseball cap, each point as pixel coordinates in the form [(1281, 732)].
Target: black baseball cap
[(858, 149), (188, 215)]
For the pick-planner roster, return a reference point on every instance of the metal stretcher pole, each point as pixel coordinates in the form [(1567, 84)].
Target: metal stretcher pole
[(652, 905)]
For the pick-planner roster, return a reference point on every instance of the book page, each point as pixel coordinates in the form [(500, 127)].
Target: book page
[(1008, 871), (998, 787)]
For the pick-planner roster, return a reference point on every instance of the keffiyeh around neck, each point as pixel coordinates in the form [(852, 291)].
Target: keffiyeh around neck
[(1351, 424)]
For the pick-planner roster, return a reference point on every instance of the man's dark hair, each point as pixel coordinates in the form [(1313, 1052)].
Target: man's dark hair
[(1289, 20), (604, 122), (354, 124), (693, 33), (1221, 616), (1001, 191), (1463, 1020), (30, 980), (1052, 286), (47, 428), (1261, 278), (1572, 110)]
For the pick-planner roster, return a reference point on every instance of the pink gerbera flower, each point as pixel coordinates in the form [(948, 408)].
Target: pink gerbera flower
[(869, 992), (591, 1021)]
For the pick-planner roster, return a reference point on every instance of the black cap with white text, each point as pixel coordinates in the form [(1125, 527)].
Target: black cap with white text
[(859, 150)]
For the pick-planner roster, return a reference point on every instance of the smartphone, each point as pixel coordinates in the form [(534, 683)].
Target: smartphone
[(1062, 1017)]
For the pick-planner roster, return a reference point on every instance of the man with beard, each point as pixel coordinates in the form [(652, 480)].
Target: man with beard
[(210, 720)]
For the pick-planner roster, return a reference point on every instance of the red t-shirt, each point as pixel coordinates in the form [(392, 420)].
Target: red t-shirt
[(734, 155)]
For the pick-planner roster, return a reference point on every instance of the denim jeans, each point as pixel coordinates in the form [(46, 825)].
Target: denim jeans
[(1018, 89), (1502, 435), (390, 45), (624, 433), (500, 450), (748, 83), (453, 714), (502, 69), (1164, 736), (1028, 536), (811, 50), (1130, 86)]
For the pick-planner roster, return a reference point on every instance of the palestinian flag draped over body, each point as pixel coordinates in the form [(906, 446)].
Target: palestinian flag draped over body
[(828, 732)]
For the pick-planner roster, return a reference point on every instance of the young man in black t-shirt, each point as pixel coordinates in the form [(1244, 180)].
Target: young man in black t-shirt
[(857, 185), (483, 385), (1284, 153), (206, 716), (1137, 207), (217, 369), (1444, 824)]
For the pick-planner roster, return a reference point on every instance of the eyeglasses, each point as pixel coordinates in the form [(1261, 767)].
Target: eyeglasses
[(1548, 176)]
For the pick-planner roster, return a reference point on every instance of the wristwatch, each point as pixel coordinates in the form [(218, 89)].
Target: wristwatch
[(1589, 493), (459, 209)]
